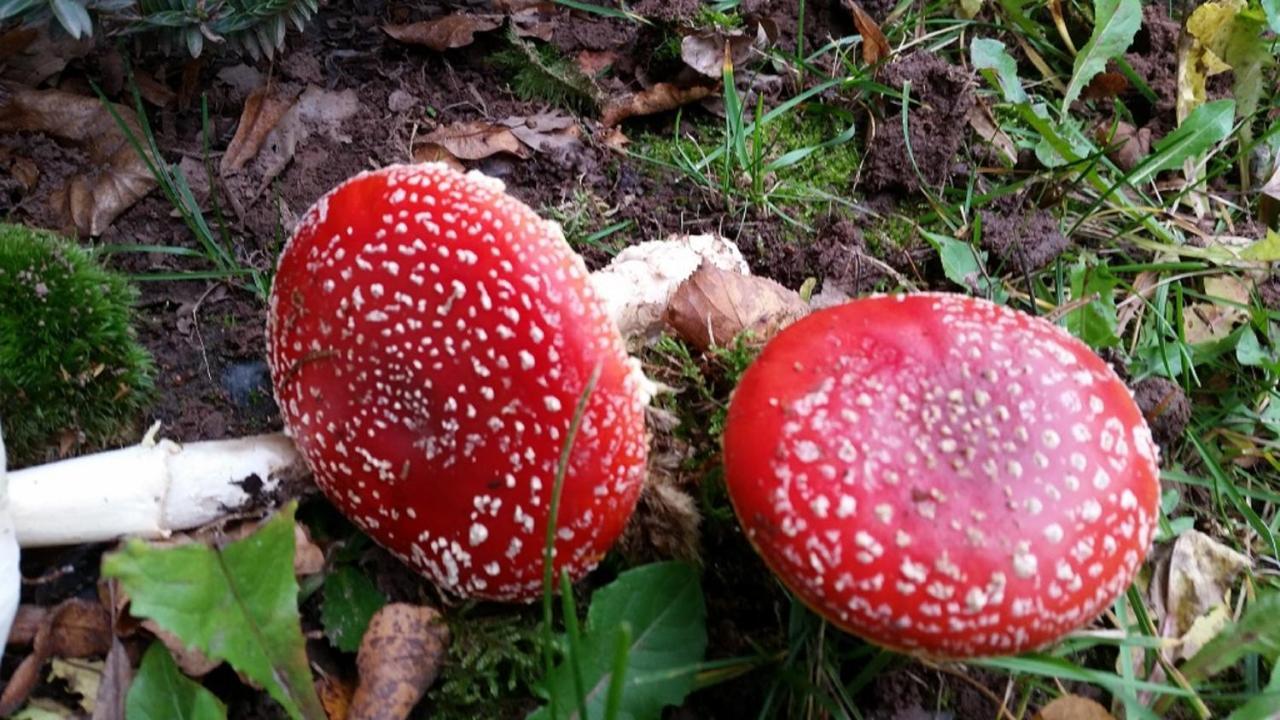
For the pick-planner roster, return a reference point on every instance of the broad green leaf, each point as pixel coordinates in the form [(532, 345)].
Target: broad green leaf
[(161, 692), (350, 600), (1207, 125), (989, 54), (1116, 23), (237, 603), (1265, 250), (1094, 322), (1271, 8), (73, 17), (1249, 352), (662, 603)]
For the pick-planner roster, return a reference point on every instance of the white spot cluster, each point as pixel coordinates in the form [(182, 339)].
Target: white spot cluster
[(429, 337), (996, 483)]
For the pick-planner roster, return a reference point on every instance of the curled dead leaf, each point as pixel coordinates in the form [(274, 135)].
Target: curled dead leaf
[(705, 52), (659, 98), (1200, 574), (434, 153), (546, 132), (476, 140), (263, 109), (714, 306), (1073, 707), (875, 46), (75, 628), (445, 33), (115, 175), (400, 656)]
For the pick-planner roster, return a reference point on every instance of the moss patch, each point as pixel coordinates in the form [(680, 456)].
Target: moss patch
[(70, 364)]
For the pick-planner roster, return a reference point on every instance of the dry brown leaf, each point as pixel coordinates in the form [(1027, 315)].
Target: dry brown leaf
[(308, 558), (984, 124), (1204, 322), (75, 628), (1105, 85), (1127, 147), (537, 20), (335, 695), (117, 674), (434, 153), (546, 132), (32, 55), (262, 112), (705, 52), (400, 656), (26, 623), (116, 176), (714, 306), (1201, 574), (613, 138), (659, 98), (593, 62), (448, 32), (476, 140), (1073, 707), (875, 46)]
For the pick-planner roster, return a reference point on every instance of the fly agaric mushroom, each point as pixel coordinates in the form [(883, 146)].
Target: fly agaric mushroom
[(942, 475), (429, 337)]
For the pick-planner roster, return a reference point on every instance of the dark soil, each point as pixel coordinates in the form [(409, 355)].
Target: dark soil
[(1166, 407), (1021, 239), (940, 100)]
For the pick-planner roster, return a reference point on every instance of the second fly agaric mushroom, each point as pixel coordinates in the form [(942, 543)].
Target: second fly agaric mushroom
[(942, 475), (429, 337)]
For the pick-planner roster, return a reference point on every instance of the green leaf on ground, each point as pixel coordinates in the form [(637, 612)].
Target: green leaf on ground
[(1206, 126), (663, 605), (1094, 322), (989, 54), (237, 603), (161, 692), (1116, 23), (1265, 250), (350, 600)]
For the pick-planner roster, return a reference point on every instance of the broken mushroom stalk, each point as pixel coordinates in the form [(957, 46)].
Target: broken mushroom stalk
[(428, 337), (941, 475)]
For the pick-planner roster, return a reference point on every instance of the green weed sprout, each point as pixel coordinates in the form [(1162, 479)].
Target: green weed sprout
[(69, 359)]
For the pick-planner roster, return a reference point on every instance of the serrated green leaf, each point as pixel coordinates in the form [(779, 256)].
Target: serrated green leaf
[(161, 692), (1207, 125), (989, 54), (1116, 22), (237, 603), (350, 600), (662, 603), (1094, 322)]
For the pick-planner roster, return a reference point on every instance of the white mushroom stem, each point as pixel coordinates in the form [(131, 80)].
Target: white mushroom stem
[(153, 489), (10, 575)]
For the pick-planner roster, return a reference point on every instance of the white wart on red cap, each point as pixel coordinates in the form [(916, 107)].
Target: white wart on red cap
[(429, 338), (942, 475)]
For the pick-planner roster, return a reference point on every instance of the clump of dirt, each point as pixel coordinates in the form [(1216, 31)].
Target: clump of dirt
[(1024, 240), (837, 257), (1166, 407), (822, 20), (668, 10), (1269, 291), (941, 97), (1154, 57)]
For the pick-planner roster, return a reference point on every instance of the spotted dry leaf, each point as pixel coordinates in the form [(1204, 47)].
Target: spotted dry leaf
[(400, 657), (446, 33), (114, 176), (714, 306), (263, 110), (659, 98)]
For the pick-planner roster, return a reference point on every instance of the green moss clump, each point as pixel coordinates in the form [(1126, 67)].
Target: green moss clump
[(69, 360)]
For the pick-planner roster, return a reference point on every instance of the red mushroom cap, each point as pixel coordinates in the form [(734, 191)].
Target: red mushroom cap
[(942, 475), (429, 337)]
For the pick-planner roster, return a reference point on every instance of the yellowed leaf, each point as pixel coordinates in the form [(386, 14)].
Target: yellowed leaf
[(446, 33), (1228, 287), (1200, 55), (263, 110), (1201, 573), (1073, 707), (1203, 629), (401, 654), (714, 306), (1204, 322), (659, 98), (114, 175)]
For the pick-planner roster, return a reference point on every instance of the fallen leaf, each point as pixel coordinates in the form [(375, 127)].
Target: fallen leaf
[(75, 628), (613, 138), (985, 125), (546, 132), (308, 558), (82, 677), (476, 140), (32, 55), (263, 109), (594, 62), (446, 33), (335, 695), (242, 78), (1204, 322), (116, 176), (26, 623), (434, 153), (1201, 573), (117, 675), (537, 20), (400, 656), (713, 306), (705, 52), (875, 46), (1105, 85), (1073, 707), (659, 98), (1127, 146)]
